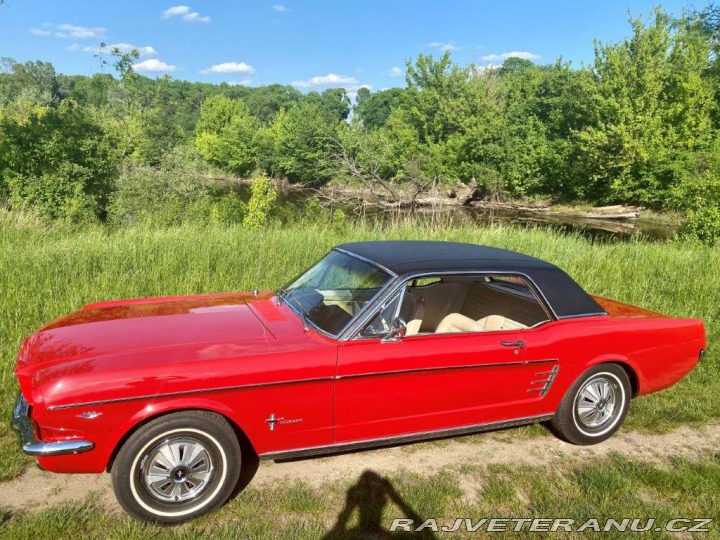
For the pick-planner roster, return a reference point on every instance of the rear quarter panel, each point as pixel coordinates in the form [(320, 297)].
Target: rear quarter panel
[(658, 350)]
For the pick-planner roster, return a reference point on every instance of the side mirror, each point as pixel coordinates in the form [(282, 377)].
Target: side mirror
[(398, 329)]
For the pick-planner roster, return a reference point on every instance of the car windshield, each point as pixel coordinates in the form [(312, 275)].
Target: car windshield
[(335, 290)]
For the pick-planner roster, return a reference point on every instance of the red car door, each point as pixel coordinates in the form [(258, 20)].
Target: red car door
[(424, 383)]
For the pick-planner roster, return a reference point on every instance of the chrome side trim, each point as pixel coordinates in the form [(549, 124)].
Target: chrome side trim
[(400, 439), (281, 383), (445, 368), (186, 393), (23, 424), (546, 380)]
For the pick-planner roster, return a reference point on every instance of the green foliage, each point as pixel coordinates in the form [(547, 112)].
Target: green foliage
[(650, 103), (58, 161), (637, 127), (157, 136), (228, 135), (262, 202), (374, 109), (703, 224), (302, 140), (332, 104), (175, 192)]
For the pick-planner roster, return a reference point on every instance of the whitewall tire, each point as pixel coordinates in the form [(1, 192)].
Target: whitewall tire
[(177, 467), (594, 407)]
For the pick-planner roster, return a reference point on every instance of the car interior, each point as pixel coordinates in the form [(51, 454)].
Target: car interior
[(446, 304)]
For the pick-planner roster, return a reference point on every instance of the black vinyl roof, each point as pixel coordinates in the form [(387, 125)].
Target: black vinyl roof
[(403, 257)]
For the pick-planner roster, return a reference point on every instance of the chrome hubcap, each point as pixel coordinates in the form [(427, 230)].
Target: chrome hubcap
[(596, 402), (178, 469)]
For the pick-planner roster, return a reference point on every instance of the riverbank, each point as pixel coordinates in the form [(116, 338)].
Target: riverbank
[(469, 204)]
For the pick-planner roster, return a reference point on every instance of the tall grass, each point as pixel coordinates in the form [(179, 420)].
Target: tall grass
[(48, 271)]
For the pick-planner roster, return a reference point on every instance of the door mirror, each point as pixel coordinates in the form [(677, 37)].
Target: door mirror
[(398, 329)]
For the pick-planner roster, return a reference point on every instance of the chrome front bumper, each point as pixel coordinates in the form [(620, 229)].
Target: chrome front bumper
[(24, 426)]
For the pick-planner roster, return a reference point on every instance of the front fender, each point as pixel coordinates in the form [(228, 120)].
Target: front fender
[(115, 423)]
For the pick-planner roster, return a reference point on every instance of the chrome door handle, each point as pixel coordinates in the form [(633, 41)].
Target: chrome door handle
[(519, 344)]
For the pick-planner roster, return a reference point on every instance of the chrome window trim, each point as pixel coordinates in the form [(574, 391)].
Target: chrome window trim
[(365, 259), (380, 307), (377, 295), (583, 315), (350, 333)]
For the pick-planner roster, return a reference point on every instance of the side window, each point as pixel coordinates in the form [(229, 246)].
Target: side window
[(492, 303), (379, 326)]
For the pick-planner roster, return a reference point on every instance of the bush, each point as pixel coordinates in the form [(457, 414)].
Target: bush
[(178, 191), (702, 224), (60, 161), (262, 202)]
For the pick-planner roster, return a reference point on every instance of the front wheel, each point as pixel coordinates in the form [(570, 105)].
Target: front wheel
[(177, 467), (594, 407)]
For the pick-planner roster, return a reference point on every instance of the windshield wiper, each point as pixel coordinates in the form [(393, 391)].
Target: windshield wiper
[(304, 314)]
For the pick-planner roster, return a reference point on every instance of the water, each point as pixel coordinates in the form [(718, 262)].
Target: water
[(293, 202)]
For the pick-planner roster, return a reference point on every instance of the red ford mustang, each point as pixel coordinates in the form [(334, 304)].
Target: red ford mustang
[(379, 343)]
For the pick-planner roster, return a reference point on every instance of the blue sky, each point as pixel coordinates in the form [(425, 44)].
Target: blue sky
[(309, 43)]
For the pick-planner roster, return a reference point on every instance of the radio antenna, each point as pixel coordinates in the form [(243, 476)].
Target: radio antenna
[(261, 252)]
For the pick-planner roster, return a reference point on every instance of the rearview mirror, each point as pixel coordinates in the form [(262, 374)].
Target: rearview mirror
[(398, 329)]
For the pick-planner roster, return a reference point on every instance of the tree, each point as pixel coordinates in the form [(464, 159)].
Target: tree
[(303, 144), (36, 82), (373, 109), (650, 106), (228, 135), (333, 104), (58, 161)]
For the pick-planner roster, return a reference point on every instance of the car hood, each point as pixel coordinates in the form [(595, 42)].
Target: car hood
[(136, 325), (110, 344)]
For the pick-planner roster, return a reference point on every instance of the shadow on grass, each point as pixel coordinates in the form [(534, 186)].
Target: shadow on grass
[(369, 497)]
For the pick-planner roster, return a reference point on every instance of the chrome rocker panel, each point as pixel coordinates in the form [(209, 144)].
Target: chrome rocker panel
[(401, 439), (30, 445)]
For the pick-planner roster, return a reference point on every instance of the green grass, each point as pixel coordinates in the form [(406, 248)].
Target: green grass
[(48, 271), (614, 487)]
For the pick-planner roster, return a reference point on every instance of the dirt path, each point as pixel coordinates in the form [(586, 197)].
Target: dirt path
[(35, 490)]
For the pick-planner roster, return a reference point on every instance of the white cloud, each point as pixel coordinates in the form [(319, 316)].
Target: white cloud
[(124, 48), (74, 47), (444, 46), (230, 67), (175, 10), (186, 13), (396, 72), (153, 65), (195, 17), (244, 82), (38, 32), (331, 79), (479, 70), (280, 8), (525, 55), (80, 32)]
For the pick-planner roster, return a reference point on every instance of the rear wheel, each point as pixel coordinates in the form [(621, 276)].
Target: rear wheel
[(177, 467), (594, 407)]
